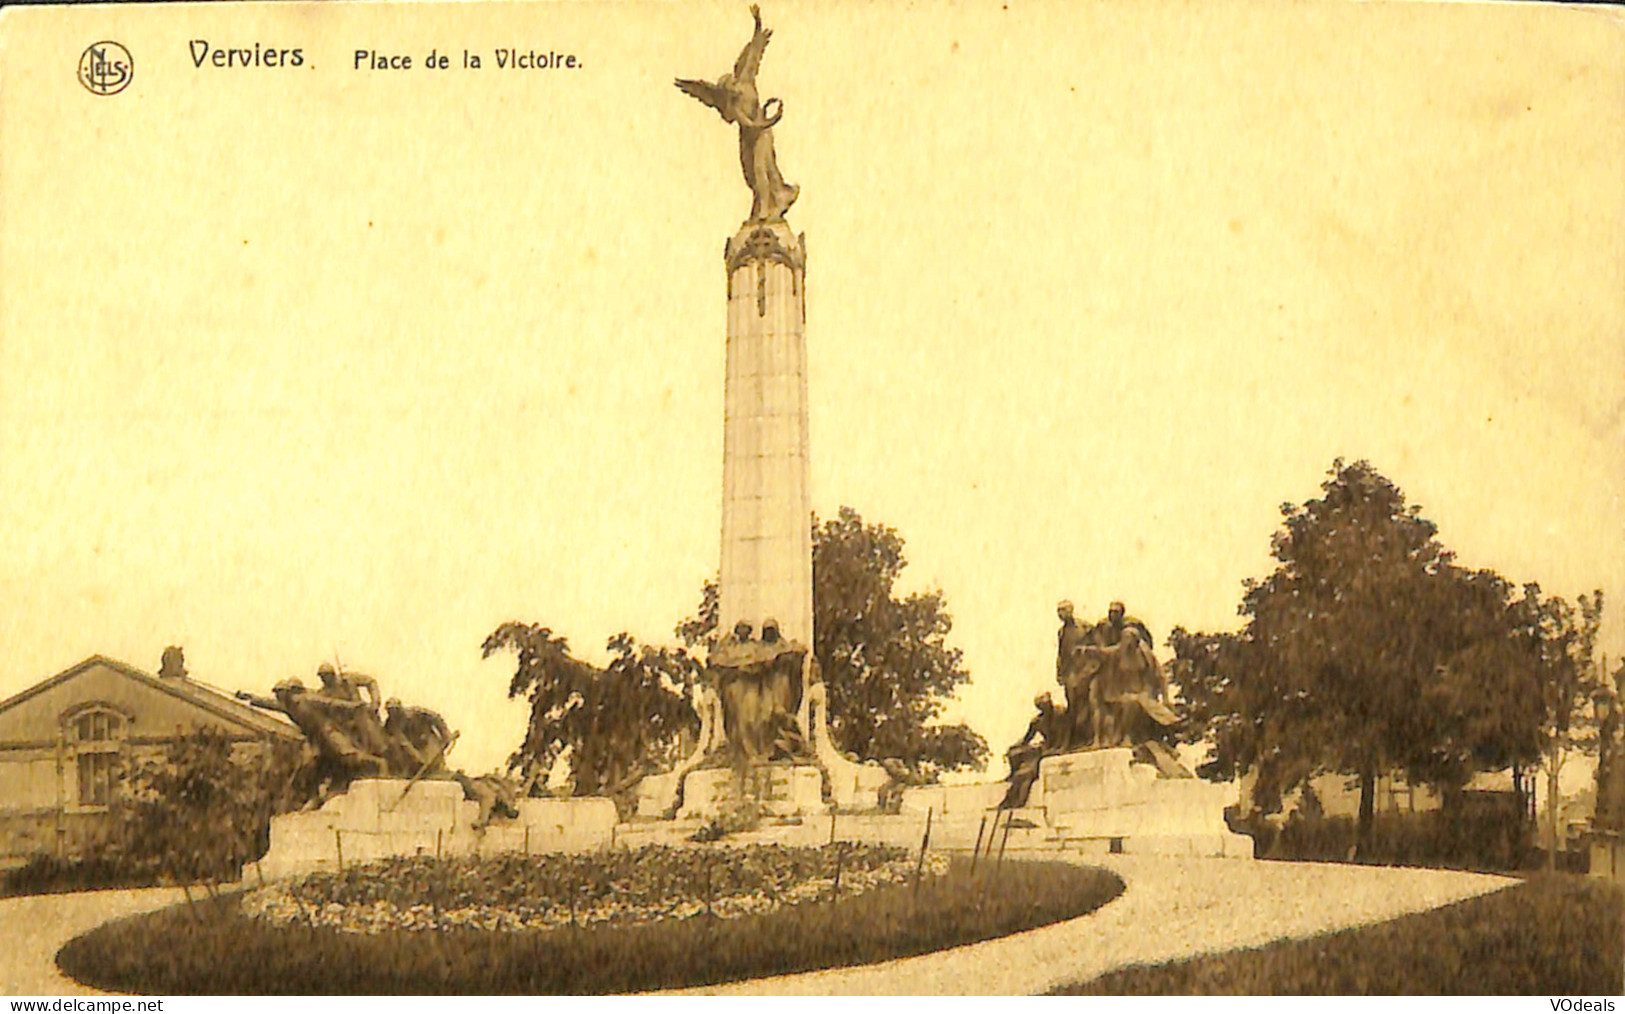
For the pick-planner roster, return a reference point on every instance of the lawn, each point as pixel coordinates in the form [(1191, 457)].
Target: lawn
[(217, 948), (1553, 934)]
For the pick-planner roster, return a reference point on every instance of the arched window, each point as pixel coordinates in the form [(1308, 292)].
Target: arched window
[(95, 733)]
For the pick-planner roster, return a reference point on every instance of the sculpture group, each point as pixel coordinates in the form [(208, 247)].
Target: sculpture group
[(350, 735), (759, 685), (1116, 696), (1115, 688)]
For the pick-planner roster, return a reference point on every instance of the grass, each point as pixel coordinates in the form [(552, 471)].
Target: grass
[(216, 949), (1553, 934)]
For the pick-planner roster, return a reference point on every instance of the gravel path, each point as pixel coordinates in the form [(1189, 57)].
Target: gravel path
[(35, 928), (1172, 908)]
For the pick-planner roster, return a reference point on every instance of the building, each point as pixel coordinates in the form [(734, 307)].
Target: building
[(67, 742)]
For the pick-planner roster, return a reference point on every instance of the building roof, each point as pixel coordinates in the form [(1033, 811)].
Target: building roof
[(200, 695)]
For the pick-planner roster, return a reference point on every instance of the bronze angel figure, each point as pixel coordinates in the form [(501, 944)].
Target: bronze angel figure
[(734, 96)]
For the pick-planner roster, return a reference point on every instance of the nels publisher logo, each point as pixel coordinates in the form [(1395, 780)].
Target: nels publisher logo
[(106, 68)]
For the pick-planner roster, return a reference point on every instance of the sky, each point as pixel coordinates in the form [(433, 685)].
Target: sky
[(312, 363)]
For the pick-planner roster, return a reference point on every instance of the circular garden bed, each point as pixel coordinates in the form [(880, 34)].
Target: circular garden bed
[(611, 922)]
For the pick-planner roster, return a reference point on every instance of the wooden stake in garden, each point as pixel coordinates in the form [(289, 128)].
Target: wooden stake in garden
[(191, 906), (840, 858), (338, 846), (832, 824), (1005, 840), (925, 841), (977, 850)]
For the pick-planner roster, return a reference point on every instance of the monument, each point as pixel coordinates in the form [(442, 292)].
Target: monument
[(1099, 769), (764, 735), (379, 786), (1092, 774)]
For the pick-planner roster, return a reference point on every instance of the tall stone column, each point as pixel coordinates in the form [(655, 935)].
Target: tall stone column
[(766, 510)]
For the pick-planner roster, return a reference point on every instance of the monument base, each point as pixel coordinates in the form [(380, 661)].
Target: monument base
[(775, 790), (853, 785), (1100, 800), (380, 817), (1094, 802)]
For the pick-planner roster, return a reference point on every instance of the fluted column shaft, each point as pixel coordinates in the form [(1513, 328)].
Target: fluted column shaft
[(766, 509)]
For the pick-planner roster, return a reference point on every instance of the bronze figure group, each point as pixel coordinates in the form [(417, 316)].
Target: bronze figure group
[(759, 683), (347, 736), (1116, 696)]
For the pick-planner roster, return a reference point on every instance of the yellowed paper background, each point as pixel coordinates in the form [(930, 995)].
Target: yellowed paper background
[(313, 361)]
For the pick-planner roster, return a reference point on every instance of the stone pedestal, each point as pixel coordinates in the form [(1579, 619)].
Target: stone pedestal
[(777, 790), (1093, 802), (1101, 800), (379, 818)]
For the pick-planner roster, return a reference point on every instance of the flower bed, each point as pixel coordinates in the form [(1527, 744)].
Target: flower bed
[(546, 892), (216, 947)]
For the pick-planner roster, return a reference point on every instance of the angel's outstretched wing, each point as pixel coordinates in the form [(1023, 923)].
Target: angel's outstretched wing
[(750, 58), (706, 92)]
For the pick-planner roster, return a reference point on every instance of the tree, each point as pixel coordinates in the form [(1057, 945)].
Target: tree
[(1485, 702), (1561, 644), (884, 659), (1367, 651), (1347, 620), (1609, 788), (618, 723)]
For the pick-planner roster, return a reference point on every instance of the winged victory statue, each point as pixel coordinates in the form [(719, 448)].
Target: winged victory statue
[(734, 96)]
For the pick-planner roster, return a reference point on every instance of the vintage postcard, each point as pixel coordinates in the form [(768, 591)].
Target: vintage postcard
[(862, 498)]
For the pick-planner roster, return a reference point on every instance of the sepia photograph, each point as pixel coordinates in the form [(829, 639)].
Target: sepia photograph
[(959, 497)]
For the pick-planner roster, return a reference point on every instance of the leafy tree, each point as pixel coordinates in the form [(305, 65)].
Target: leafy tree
[(618, 723), (1561, 650), (885, 659), (1485, 702), (1345, 622), (1229, 700), (1367, 651), (1610, 788), (700, 629)]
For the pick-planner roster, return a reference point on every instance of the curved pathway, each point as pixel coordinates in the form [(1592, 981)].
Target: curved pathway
[(1172, 908), (34, 928)]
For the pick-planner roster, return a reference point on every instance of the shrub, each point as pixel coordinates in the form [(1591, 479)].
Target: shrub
[(101, 867), (197, 815), (1453, 838)]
